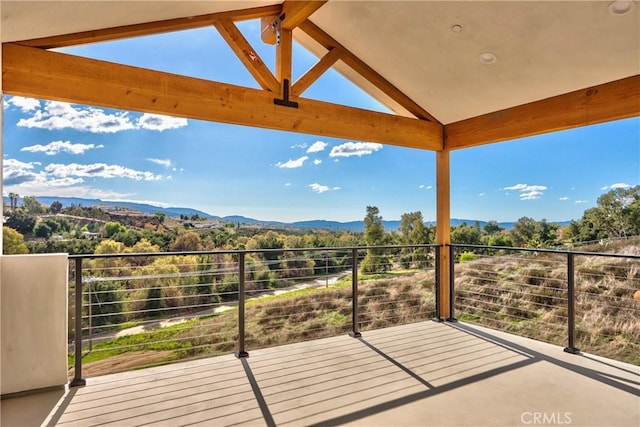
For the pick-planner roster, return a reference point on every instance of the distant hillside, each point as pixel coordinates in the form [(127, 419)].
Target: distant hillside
[(141, 207), (357, 226)]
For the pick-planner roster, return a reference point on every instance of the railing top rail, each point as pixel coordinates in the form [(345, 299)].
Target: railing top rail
[(552, 251), (246, 251)]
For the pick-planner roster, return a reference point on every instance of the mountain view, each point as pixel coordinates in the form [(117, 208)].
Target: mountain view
[(177, 211)]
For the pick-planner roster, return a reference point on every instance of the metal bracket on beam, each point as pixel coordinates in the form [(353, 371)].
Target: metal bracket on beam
[(277, 24), (285, 102)]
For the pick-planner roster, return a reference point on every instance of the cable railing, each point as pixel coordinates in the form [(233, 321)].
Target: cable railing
[(139, 310), (584, 301)]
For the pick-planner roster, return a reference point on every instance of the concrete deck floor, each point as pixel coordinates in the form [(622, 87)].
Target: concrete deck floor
[(424, 374)]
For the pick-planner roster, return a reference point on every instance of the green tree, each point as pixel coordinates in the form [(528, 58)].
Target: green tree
[(523, 231), (13, 199), (157, 289), (13, 242), (616, 215), (413, 232), (492, 227), (129, 237), (42, 230), (270, 240), (108, 266), (375, 261), (55, 207), (619, 211), (106, 303), (546, 233), (143, 246), (21, 220), (33, 206), (465, 235), (161, 217), (54, 225), (187, 241), (111, 228)]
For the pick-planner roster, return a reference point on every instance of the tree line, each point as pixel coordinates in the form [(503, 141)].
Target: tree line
[(34, 228)]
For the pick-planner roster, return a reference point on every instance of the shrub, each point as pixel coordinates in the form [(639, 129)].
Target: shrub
[(468, 256)]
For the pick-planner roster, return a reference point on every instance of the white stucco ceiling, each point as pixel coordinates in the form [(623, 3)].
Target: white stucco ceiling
[(543, 49)]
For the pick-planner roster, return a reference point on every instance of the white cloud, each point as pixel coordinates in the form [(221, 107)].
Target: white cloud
[(317, 147), (616, 186), (99, 170), (528, 192), (317, 162), (287, 184), (579, 202), (160, 123), (64, 182), (24, 104), (318, 188), (16, 172), (61, 115), (531, 195), (303, 146), (56, 147), (481, 194), (162, 162), (146, 202), (426, 187), (564, 198), (349, 149), (292, 164)]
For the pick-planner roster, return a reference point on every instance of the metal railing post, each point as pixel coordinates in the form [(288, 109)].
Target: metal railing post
[(438, 316), (90, 305), (355, 333), (241, 330), (77, 380), (571, 306), (452, 281)]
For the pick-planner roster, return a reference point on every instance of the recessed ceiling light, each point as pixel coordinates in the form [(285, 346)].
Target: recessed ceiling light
[(487, 58), (621, 7), (457, 28)]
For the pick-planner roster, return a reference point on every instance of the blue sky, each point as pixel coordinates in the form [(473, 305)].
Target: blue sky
[(53, 148)]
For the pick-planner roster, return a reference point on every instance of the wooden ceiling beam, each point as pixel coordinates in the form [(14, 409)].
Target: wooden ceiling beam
[(247, 55), (50, 75), (610, 101), (314, 73), (359, 66), (292, 14), (150, 28)]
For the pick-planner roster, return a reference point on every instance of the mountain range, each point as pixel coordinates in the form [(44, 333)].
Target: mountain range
[(389, 225)]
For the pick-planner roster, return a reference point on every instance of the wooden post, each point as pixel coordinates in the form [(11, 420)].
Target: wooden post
[(443, 227)]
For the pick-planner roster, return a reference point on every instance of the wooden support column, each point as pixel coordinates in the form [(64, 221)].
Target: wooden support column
[(443, 227), (284, 52)]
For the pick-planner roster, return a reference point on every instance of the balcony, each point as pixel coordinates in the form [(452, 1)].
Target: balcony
[(398, 367)]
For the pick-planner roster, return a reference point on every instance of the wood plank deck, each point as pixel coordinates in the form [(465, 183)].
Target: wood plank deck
[(423, 374)]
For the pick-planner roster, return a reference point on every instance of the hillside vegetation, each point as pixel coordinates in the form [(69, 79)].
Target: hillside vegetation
[(293, 317), (527, 295)]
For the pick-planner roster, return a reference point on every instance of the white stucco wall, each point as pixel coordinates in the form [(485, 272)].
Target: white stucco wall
[(33, 321)]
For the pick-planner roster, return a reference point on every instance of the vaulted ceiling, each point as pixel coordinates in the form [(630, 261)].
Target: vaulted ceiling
[(461, 62)]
